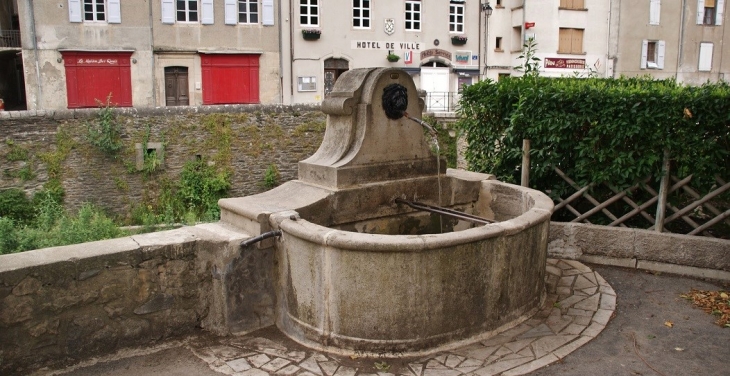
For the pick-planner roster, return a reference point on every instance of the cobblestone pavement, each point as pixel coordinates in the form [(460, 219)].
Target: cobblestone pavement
[(579, 304)]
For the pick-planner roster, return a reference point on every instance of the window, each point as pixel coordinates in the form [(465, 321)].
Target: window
[(652, 54), (572, 4), (94, 11), (498, 44), (516, 39), (413, 15), (705, 63), (248, 11), (307, 83), (187, 10), (309, 12), (361, 14), (570, 41), (710, 12), (654, 11), (456, 17)]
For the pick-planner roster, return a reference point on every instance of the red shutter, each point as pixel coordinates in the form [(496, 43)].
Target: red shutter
[(230, 79), (92, 76)]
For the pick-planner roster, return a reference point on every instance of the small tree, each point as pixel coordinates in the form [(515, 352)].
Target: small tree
[(530, 63)]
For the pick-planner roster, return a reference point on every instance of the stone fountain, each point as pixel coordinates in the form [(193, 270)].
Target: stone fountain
[(359, 270)]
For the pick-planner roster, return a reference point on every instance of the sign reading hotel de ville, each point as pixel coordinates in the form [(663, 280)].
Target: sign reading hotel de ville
[(384, 45)]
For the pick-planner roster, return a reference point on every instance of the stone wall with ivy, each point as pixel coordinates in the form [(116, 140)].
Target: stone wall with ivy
[(122, 159)]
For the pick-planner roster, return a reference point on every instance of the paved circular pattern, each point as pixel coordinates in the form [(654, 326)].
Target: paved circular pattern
[(579, 304)]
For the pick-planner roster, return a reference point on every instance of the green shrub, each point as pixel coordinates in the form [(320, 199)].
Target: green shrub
[(271, 176), (8, 236), (15, 206), (597, 130), (105, 133), (201, 186)]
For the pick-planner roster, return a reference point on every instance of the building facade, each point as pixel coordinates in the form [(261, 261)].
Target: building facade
[(670, 39), (437, 42), (82, 53)]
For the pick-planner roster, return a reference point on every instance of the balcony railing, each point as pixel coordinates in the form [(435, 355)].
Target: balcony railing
[(10, 38), (441, 101)]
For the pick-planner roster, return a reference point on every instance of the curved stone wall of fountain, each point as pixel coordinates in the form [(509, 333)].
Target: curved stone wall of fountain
[(359, 272)]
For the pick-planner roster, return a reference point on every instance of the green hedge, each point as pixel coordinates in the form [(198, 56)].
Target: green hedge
[(597, 130)]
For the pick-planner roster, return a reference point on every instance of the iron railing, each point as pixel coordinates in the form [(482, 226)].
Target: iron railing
[(10, 38), (445, 101)]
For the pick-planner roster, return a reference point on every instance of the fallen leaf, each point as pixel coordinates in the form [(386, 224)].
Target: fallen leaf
[(716, 303), (724, 295), (679, 349), (353, 357), (669, 324)]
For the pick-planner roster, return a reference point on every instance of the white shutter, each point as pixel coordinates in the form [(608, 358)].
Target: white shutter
[(268, 12), (168, 11), (718, 12), (700, 11), (207, 10), (74, 10), (115, 11), (654, 12), (644, 48), (231, 7), (660, 47), (705, 64)]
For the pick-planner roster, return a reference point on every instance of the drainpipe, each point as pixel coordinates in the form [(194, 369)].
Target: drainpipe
[(39, 93), (281, 60), (291, 55), (152, 58), (681, 39), (722, 48)]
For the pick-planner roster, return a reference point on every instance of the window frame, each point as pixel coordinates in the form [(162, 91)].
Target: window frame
[(247, 12), (310, 80), (707, 67), (652, 54), (409, 14), (456, 26), (710, 18), (572, 37), (361, 18), (94, 12), (571, 4), (312, 13), (187, 12)]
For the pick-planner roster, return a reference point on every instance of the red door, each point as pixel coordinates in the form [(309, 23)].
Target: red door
[(230, 79), (92, 77)]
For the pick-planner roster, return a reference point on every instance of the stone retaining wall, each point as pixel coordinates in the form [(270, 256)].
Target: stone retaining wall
[(695, 256), (59, 305), (258, 135)]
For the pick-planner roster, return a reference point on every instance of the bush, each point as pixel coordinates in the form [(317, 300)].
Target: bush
[(15, 206), (597, 130)]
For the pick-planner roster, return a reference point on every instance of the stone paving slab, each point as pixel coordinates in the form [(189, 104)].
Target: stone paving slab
[(579, 304)]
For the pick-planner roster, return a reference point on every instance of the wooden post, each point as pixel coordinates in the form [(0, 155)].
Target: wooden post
[(661, 207), (525, 182)]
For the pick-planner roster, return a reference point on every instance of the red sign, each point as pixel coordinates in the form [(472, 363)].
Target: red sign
[(552, 62), (529, 25)]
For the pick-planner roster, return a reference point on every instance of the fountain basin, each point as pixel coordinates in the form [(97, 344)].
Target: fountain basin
[(355, 292)]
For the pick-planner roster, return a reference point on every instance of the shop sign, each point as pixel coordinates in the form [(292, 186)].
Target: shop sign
[(552, 62), (462, 57), (435, 52), (89, 61), (383, 45)]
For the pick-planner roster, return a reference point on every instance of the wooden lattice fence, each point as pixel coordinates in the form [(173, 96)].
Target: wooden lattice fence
[(643, 206)]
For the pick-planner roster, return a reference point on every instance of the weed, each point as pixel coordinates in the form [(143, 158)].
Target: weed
[(106, 132), (271, 176)]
